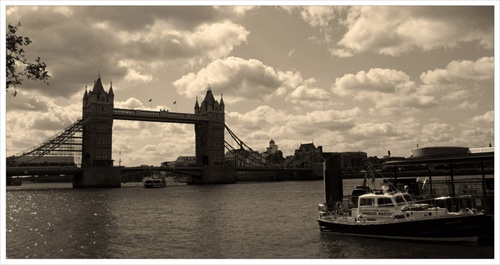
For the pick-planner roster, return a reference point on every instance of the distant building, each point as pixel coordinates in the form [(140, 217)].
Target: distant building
[(310, 151), (307, 156), (272, 149), (168, 164), (272, 154), (181, 161)]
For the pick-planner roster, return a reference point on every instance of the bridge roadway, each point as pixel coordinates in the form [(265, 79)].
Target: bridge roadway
[(69, 170), (158, 116), (57, 170)]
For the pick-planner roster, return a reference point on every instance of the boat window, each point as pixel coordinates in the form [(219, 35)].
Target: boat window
[(384, 202), (364, 202), (400, 200)]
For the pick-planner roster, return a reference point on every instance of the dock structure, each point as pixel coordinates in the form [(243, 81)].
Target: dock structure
[(459, 171)]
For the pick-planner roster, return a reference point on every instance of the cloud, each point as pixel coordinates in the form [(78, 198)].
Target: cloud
[(467, 105), (130, 103), (437, 134), (128, 44), (308, 94), (385, 81), (331, 120), (460, 79), (27, 126), (262, 116), (161, 42), (391, 91), (395, 30), (140, 18), (258, 126), (240, 80), (318, 16), (402, 104), (24, 101), (465, 70), (372, 130), (487, 118)]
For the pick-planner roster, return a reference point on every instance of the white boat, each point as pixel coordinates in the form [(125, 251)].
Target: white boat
[(396, 215), (154, 182)]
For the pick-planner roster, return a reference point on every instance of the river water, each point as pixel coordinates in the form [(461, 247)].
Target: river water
[(252, 220)]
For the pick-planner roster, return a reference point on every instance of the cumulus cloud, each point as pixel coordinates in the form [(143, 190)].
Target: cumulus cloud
[(239, 79), (437, 134), (372, 130), (402, 104), (486, 118), (467, 105), (262, 116), (460, 80), (394, 30), (362, 84), (126, 43), (465, 70), (27, 125), (308, 94), (27, 102), (130, 103), (392, 91), (318, 16), (258, 126)]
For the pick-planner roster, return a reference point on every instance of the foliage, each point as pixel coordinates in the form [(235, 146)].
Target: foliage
[(17, 65)]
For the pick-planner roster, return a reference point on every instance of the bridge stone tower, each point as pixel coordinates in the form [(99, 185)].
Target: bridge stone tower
[(210, 142), (97, 133)]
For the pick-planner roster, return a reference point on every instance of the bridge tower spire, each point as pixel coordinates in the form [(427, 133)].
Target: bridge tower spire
[(97, 163)]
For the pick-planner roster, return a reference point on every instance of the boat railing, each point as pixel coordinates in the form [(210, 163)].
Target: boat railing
[(453, 204)]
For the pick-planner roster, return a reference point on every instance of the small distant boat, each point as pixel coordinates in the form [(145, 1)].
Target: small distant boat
[(154, 182), (393, 214)]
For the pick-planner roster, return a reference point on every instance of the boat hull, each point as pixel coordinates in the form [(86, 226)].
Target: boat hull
[(147, 186), (154, 183), (454, 228)]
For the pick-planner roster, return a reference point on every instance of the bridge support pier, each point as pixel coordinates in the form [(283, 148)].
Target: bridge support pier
[(332, 174), (216, 174), (104, 177)]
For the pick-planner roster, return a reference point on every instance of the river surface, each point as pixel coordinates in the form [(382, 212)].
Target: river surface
[(252, 220)]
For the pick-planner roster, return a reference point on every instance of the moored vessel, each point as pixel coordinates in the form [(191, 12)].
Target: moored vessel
[(396, 215), (393, 214)]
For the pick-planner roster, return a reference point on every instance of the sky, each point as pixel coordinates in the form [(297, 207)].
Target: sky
[(370, 77)]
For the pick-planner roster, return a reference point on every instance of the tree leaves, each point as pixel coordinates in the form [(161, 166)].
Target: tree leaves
[(17, 65)]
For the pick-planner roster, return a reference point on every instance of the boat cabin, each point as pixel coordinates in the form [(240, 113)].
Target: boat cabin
[(382, 207)]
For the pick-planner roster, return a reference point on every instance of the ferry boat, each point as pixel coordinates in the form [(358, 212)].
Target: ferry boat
[(154, 182), (396, 215)]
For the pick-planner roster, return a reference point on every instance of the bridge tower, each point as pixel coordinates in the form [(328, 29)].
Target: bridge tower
[(210, 142), (97, 133)]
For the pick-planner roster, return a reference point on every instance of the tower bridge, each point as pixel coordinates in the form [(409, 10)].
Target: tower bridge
[(94, 131)]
